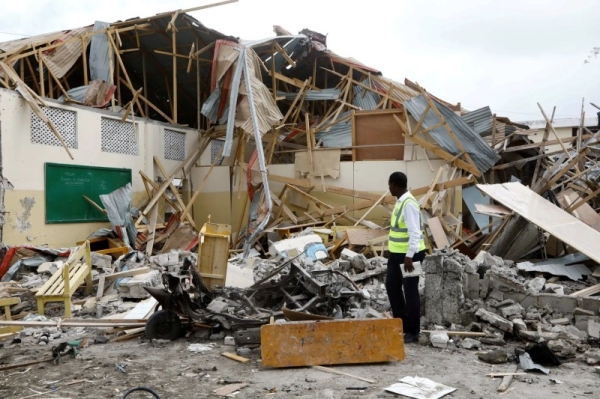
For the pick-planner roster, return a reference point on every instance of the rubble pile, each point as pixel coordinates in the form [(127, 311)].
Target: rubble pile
[(493, 297)]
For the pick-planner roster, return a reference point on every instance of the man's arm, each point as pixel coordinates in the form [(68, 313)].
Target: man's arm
[(412, 219)]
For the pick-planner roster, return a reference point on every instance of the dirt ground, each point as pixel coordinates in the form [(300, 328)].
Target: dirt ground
[(174, 372)]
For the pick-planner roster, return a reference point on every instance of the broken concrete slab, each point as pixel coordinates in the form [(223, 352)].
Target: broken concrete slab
[(593, 329), (495, 320), (537, 284), (583, 312), (512, 310), (471, 344), (555, 289), (217, 306), (494, 357), (133, 287), (439, 339), (101, 261)]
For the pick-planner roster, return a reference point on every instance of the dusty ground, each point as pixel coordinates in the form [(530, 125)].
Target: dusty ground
[(174, 372)]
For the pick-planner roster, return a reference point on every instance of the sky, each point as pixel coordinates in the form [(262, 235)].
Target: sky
[(507, 54)]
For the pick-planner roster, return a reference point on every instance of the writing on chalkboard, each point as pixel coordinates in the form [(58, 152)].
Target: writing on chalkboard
[(67, 185)]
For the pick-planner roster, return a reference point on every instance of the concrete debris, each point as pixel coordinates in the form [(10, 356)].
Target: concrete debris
[(537, 284), (495, 320), (439, 339), (494, 357), (471, 344), (133, 287), (593, 329)]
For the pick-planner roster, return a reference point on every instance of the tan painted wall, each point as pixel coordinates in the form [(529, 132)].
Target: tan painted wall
[(370, 176), (23, 165), (563, 132)]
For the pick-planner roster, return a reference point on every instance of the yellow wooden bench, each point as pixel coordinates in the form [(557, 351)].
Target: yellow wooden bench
[(7, 303), (63, 284)]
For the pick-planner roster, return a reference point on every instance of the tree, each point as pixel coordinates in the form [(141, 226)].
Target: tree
[(593, 54)]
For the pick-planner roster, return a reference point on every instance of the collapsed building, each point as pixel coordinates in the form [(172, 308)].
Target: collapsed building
[(245, 179)]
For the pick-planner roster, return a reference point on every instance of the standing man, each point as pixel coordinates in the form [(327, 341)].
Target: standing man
[(406, 245)]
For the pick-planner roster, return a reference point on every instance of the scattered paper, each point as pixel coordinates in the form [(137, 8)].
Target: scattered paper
[(420, 388), (199, 348)]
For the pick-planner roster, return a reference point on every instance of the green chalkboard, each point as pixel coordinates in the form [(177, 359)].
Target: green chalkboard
[(67, 184)]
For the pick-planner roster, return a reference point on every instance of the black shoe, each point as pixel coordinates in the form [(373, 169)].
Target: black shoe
[(410, 338)]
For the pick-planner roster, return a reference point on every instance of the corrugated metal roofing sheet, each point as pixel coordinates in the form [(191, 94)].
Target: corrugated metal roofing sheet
[(363, 98), (480, 120), (313, 95), (481, 153)]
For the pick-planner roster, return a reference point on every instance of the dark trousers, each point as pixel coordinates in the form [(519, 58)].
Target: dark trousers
[(403, 293)]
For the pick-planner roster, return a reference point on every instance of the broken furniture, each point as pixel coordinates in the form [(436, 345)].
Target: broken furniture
[(213, 253), (6, 303), (107, 246), (65, 281), (327, 342)]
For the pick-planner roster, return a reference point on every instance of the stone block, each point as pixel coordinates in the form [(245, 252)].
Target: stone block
[(561, 322), (497, 295), (217, 306), (537, 284), (564, 304), (583, 312), (166, 260), (101, 261), (593, 329), (561, 348), (133, 287), (471, 286), (495, 320), (581, 322), (591, 304), (433, 264), (519, 325), (439, 339), (471, 344), (512, 310), (229, 341), (484, 286)]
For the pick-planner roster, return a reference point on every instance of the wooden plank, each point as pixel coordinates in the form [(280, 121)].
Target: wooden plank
[(101, 281), (334, 371), (316, 343), (213, 252), (127, 273), (152, 230), (458, 333), (547, 216), (235, 357), (229, 389), (438, 233), (594, 289), (507, 379)]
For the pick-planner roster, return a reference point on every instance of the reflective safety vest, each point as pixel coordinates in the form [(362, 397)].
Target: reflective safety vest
[(398, 239)]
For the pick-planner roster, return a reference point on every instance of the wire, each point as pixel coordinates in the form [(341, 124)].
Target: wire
[(140, 389), (14, 34), (523, 113)]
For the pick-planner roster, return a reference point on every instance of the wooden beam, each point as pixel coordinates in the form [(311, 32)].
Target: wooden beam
[(174, 42), (162, 170), (124, 70)]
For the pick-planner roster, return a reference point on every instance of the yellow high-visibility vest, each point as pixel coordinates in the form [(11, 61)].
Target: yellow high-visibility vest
[(398, 239)]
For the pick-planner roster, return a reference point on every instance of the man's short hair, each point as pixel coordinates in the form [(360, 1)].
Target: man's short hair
[(399, 179)]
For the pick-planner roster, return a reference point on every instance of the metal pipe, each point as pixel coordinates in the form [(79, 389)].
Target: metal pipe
[(261, 155)]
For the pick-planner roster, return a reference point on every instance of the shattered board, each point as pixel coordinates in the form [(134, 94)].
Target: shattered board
[(547, 216), (420, 388), (574, 272), (363, 236)]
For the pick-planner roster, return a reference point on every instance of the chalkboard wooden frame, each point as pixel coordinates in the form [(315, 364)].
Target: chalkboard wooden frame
[(65, 186)]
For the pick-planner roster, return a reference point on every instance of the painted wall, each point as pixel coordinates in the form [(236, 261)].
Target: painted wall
[(563, 133), (223, 207), (23, 165)]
